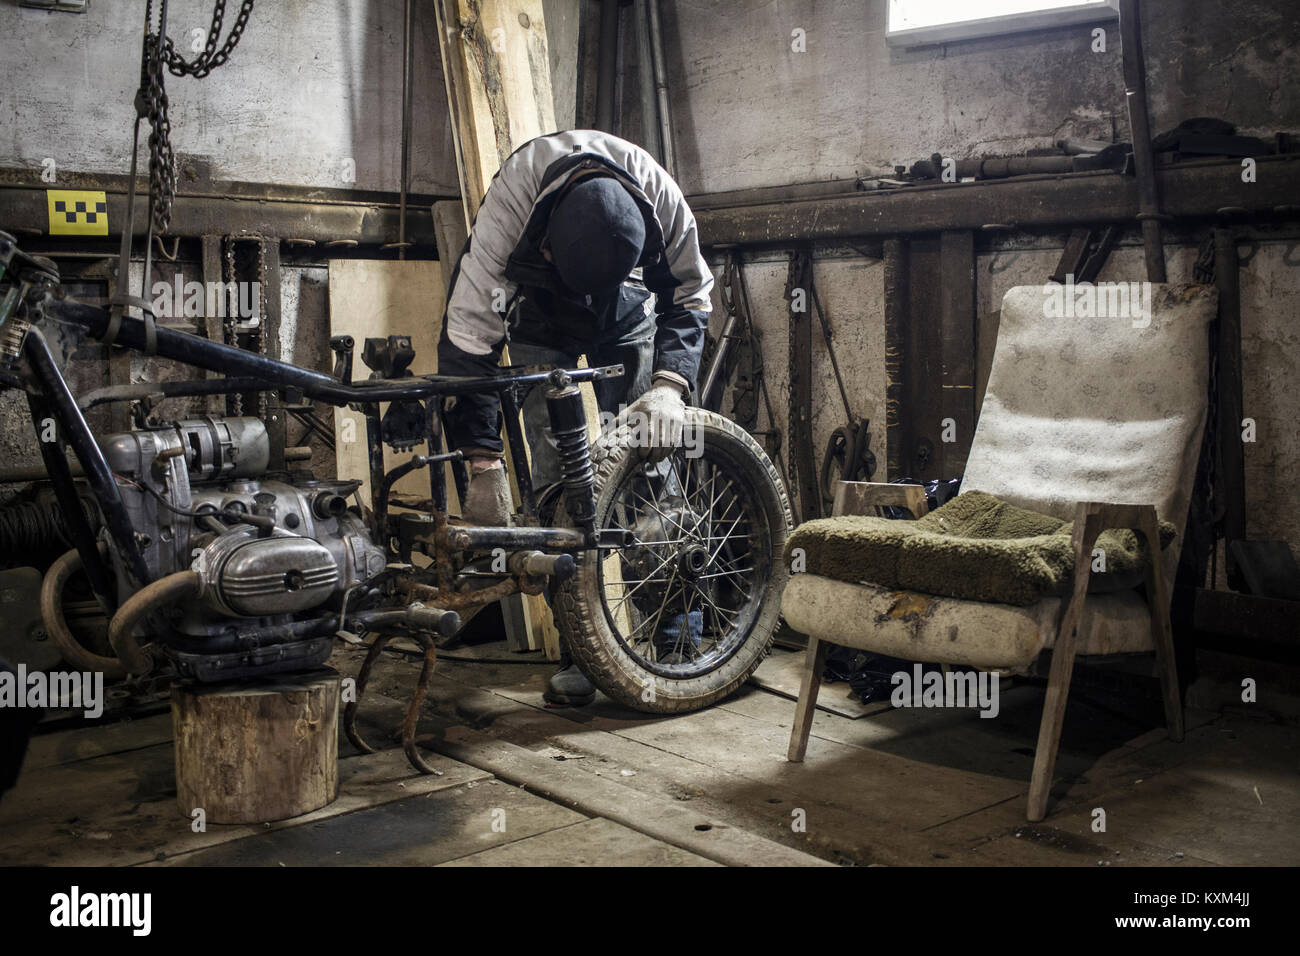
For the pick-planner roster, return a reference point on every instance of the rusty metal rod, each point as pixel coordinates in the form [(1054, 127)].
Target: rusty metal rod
[(1135, 94)]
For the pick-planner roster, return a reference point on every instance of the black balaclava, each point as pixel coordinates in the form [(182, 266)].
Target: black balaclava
[(596, 233)]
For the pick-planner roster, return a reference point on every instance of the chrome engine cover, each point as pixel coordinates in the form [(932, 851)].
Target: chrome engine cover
[(246, 575), (318, 549)]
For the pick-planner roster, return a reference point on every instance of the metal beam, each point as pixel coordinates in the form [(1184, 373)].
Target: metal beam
[(1190, 191), (24, 211)]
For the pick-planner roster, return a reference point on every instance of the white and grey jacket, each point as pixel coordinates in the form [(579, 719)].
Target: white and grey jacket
[(503, 286)]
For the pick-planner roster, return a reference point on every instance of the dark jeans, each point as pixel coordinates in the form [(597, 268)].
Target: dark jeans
[(632, 347)]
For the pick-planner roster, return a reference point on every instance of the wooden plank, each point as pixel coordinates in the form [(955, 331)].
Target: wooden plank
[(1188, 190), (377, 298), (96, 740), (864, 497), (782, 673), (657, 817), (275, 424), (497, 72), (120, 809)]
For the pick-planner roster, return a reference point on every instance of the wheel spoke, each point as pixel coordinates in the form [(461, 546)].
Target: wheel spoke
[(703, 505)]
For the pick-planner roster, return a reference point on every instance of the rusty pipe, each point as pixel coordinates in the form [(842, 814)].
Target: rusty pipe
[(150, 598), (56, 579)]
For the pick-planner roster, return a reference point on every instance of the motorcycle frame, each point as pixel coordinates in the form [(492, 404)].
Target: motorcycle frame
[(49, 396)]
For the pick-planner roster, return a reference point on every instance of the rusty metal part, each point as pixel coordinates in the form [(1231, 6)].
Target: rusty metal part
[(363, 676), (412, 717), (417, 702), (460, 600)]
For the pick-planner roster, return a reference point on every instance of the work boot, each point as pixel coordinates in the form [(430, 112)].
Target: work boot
[(488, 502), (569, 687)]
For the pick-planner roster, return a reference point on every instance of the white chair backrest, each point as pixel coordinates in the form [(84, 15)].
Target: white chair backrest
[(1096, 408)]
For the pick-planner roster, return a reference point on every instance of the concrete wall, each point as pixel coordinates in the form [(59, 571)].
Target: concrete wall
[(749, 112), (312, 84)]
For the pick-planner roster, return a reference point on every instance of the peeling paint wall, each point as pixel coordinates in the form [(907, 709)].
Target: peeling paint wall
[(749, 112), (312, 84)]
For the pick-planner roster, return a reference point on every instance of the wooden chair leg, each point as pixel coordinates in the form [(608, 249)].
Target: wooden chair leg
[(1086, 529), (1162, 632), (1049, 729), (814, 664)]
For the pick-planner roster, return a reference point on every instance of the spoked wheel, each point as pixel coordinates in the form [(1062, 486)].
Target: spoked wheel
[(683, 616)]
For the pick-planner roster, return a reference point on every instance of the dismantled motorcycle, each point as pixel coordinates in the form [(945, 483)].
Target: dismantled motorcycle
[(209, 563)]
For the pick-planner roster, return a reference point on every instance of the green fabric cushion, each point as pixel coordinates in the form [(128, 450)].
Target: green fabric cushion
[(975, 547)]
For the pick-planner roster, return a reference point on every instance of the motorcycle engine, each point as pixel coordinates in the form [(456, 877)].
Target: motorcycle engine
[(275, 553)]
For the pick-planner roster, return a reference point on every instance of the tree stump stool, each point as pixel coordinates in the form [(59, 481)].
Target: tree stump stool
[(260, 750)]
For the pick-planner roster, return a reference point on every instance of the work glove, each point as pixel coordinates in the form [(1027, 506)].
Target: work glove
[(488, 502), (657, 419)]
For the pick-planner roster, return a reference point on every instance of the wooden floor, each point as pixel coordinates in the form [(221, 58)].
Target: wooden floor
[(522, 784)]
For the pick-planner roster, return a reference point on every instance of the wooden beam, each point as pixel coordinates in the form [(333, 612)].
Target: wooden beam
[(497, 72), (1189, 191), (498, 81)]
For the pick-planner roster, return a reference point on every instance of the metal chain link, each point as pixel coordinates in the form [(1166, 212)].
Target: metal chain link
[(232, 308), (262, 396), (162, 160), (211, 58)]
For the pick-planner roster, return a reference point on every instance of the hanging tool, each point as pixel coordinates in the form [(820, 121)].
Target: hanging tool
[(739, 351), (802, 474), (848, 455), (1085, 254), (1135, 93)]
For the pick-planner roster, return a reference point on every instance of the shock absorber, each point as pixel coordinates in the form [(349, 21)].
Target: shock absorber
[(569, 427)]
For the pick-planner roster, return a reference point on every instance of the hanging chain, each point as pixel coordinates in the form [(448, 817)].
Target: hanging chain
[(232, 314), (162, 161), (151, 101), (211, 58), (262, 408)]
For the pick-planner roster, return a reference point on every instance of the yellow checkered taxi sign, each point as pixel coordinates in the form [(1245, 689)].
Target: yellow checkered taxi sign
[(77, 212)]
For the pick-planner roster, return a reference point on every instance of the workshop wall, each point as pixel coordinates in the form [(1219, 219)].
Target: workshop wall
[(312, 85), (748, 112)]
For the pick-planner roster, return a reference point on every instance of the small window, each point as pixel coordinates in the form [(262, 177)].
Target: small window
[(919, 22)]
